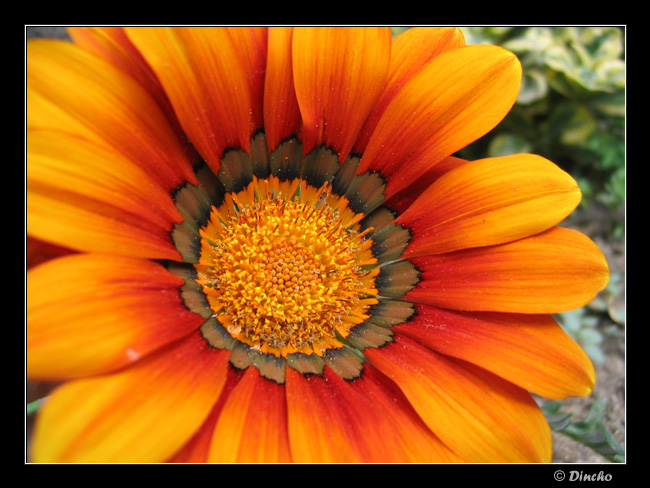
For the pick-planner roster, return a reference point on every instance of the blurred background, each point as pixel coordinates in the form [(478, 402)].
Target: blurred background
[(571, 110)]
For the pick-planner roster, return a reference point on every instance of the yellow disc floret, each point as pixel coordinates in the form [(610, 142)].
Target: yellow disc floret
[(285, 276)]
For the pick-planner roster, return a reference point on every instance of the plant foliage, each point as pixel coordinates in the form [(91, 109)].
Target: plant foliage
[(571, 107), (590, 432)]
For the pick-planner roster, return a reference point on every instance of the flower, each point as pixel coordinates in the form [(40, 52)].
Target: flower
[(275, 255)]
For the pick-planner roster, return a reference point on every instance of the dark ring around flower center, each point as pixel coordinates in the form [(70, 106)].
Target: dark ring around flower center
[(364, 195)]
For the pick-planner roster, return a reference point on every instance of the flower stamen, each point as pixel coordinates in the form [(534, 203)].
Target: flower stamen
[(285, 276)]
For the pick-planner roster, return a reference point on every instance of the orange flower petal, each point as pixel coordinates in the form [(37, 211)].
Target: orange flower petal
[(488, 202), (532, 351), (144, 413), (89, 314), (479, 416), (253, 43), (207, 74), (72, 91), (318, 430), (90, 198), (403, 199), (390, 430), (365, 420), (457, 97), (113, 44), (252, 425), (555, 271), (37, 251), (196, 450), (281, 111), (339, 72), (410, 52)]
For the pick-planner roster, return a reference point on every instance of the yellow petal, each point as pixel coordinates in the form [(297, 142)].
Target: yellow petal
[(87, 197), (144, 413), (113, 44), (70, 90)]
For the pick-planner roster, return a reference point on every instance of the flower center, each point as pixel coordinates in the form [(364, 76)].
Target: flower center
[(285, 276)]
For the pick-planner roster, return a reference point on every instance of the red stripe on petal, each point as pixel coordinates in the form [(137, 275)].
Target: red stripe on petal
[(197, 449), (487, 202), (209, 76), (281, 111), (410, 52), (532, 351), (403, 199), (339, 72), (389, 429), (319, 431), (89, 314), (459, 96), (479, 416), (364, 420), (252, 425), (555, 271)]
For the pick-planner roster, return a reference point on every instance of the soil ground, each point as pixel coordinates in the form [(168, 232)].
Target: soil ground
[(611, 372)]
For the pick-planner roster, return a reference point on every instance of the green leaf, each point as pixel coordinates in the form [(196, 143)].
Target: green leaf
[(33, 407), (534, 87), (505, 144), (532, 40), (590, 432)]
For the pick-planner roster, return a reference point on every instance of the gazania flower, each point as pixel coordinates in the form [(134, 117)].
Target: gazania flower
[(278, 258)]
